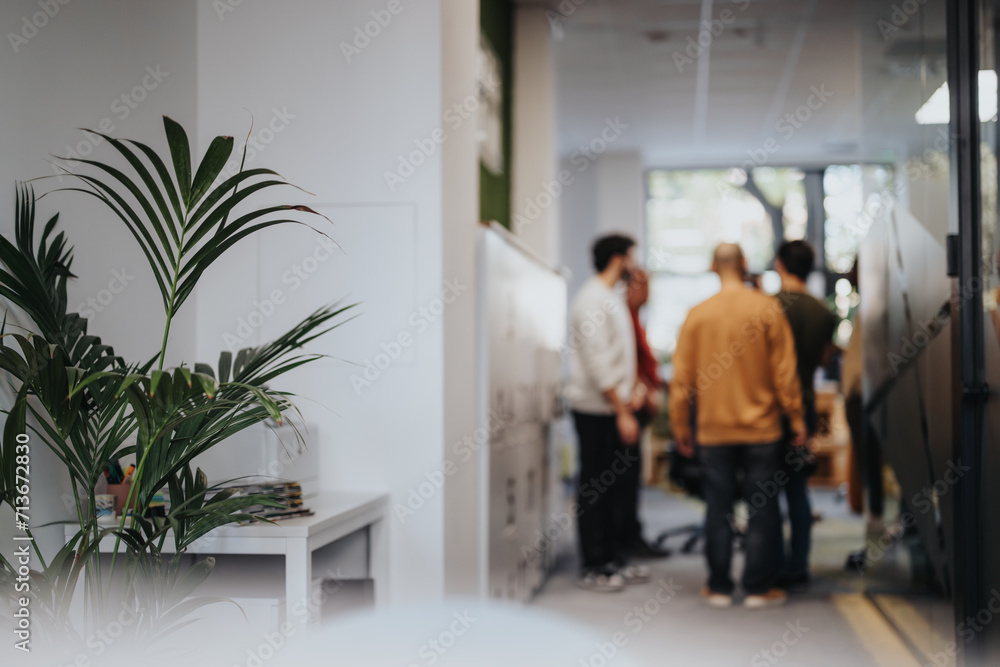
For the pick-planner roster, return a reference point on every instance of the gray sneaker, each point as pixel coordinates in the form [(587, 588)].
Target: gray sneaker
[(635, 574), (601, 583)]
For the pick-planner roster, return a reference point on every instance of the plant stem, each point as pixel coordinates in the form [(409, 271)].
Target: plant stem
[(173, 292), (132, 492), (92, 582), (166, 329), (88, 572)]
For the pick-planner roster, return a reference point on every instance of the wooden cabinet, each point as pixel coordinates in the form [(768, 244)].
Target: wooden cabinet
[(832, 442)]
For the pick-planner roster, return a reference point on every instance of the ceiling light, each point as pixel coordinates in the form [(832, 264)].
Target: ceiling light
[(937, 110)]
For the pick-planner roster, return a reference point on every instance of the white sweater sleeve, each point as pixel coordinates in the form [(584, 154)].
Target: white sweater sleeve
[(601, 352), (602, 349)]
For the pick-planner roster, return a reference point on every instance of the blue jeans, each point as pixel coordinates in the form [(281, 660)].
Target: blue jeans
[(758, 465), (800, 516)]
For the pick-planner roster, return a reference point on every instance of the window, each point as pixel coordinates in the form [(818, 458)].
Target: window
[(847, 188), (690, 212)]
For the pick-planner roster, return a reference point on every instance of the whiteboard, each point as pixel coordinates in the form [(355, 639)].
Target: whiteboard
[(523, 320)]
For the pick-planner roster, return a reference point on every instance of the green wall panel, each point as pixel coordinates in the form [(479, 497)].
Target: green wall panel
[(497, 23)]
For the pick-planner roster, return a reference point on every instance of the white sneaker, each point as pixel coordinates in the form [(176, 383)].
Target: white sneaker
[(635, 574), (717, 600), (601, 583), (773, 598), (874, 529)]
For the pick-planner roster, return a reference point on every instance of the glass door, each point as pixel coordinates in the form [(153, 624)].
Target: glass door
[(921, 79)]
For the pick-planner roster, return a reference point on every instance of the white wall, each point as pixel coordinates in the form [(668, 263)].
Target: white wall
[(621, 194), (333, 124), (72, 73), (536, 189), (464, 512), (577, 224), (607, 194), (347, 124)]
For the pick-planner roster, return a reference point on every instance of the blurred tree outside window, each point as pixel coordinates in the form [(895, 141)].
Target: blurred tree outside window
[(689, 212)]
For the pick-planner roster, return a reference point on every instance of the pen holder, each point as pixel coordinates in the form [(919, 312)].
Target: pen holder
[(120, 492)]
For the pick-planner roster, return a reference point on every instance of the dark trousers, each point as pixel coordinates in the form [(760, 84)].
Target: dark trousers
[(800, 516), (605, 464), (867, 454), (758, 464), (629, 527)]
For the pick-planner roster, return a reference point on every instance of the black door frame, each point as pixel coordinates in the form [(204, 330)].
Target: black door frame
[(963, 78)]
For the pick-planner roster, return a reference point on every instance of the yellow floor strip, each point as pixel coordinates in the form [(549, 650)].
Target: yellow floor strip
[(914, 625), (875, 633)]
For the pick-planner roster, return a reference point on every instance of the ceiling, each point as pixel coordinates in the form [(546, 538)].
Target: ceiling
[(636, 60)]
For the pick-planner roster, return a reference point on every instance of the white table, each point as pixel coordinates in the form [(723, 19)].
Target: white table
[(337, 515)]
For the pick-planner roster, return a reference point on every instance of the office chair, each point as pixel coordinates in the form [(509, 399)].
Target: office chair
[(685, 473), (688, 474)]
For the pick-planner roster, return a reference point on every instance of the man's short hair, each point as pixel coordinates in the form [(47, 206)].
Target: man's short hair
[(607, 247), (797, 257)]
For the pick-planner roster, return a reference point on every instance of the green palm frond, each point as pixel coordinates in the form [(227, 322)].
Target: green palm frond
[(182, 221), (89, 406)]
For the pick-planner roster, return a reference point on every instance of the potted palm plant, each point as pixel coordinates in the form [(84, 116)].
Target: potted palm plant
[(89, 406)]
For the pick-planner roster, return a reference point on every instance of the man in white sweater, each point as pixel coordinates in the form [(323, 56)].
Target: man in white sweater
[(602, 395)]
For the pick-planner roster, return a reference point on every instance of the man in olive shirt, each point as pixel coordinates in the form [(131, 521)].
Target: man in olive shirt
[(813, 326)]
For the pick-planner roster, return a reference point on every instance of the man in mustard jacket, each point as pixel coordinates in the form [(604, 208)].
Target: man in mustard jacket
[(735, 367)]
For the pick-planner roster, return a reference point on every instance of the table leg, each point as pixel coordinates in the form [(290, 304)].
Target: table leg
[(378, 560), (299, 607)]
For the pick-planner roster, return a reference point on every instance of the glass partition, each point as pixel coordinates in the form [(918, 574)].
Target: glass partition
[(906, 317), (990, 536)]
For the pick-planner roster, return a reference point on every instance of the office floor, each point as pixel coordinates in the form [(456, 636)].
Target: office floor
[(842, 618)]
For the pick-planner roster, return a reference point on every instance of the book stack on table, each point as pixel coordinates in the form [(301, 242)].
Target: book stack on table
[(287, 494)]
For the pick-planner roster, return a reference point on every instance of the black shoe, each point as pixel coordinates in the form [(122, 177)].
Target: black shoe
[(787, 581), (646, 551), (857, 561)]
